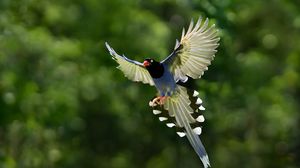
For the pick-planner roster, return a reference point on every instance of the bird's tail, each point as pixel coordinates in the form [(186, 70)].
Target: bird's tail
[(183, 110)]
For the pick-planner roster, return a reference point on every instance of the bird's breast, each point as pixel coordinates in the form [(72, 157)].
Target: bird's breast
[(165, 84)]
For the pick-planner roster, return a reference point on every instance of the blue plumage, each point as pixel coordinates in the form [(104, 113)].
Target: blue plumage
[(166, 84)]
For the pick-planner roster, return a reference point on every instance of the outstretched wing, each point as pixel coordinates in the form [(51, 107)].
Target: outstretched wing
[(133, 70), (194, 52)]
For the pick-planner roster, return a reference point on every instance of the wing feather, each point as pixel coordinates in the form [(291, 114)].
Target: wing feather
[(195, 51), (133, 70)]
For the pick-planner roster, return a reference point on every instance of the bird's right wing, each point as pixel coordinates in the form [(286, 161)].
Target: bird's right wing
[(195, 51), (133, 70), (183, 111)]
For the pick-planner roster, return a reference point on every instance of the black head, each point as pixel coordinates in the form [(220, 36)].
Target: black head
[(156, 69), (150, 62)]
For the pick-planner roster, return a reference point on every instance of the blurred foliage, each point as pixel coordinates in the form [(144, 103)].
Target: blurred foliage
[(63, 103)]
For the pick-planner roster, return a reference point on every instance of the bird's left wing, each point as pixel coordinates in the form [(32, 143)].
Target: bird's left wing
[(133, 70), (194, 52)]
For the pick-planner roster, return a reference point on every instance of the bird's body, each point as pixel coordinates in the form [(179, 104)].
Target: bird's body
[(176, 105), (163, 79), (166, 84)]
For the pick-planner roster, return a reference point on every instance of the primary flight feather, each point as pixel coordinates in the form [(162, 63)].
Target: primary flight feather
[(176, 105)]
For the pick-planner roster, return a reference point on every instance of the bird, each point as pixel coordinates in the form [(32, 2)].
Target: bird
[(178, 106)]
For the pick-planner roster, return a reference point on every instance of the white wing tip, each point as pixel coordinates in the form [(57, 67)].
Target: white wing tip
[(111, 50), (183, 34), (177, 44), (107, 46), (200, 18)]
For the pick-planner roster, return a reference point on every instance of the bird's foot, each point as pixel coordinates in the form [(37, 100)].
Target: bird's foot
[(160, 100)]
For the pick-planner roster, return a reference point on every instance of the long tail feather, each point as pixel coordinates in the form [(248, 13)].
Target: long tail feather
[(198, 146), (182, 110)]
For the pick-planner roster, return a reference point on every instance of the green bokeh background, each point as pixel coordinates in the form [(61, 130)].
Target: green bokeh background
[(63, 103)]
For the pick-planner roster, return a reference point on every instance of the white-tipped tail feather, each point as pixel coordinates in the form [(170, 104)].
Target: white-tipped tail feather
[(170, 125), (162, 118), (201, 108), (155, 112), (200, 118), (183, 110), (179, 104)]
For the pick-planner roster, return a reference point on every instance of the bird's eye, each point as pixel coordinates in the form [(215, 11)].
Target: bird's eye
[(151, 61)]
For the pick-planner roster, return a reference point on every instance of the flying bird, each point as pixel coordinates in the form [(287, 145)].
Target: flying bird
[(176, 105)]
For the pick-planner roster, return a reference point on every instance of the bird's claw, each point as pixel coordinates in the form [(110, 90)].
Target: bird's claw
[(160, 100)]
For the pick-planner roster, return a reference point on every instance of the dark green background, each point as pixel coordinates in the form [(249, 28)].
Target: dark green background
[(64, 104)]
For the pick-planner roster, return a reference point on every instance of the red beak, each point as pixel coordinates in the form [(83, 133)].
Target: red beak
[(146, 63)]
